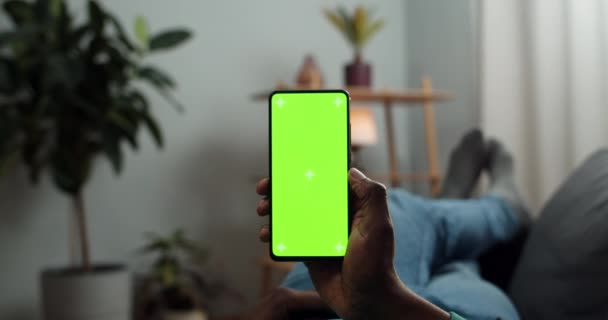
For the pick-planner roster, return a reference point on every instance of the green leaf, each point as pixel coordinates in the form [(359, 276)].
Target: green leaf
[(61, 71), (192, 248), (168, 273), (7, 75), (127, 128), (371, 30), (96, 17), (178, 235), (360, 23), (78, 34), (141, 32), (159, 244), (348, 22), (89, 109), (64, 182), (64, 172), (161, 82), (156, 77), (171, 100), (120, 32), (337, 21), (114, 153), (169, 39), (63, 24), (19, 11), (154, 129), (138, 101), (23, 34), (55, 7), (41, 9)]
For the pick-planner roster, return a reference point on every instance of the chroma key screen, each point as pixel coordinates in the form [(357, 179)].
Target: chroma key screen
[(309, 173)]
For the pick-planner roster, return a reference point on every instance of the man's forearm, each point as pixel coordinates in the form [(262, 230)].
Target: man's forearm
[(413, 306), (396, 304)]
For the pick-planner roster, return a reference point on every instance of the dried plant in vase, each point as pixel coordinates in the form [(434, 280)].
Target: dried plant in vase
[(358, 29)]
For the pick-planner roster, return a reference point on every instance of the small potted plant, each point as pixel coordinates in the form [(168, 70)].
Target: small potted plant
[(69, 92), (175, 287), (357, 28)]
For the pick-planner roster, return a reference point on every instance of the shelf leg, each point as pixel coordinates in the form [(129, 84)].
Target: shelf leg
[(390, 144), (430, 131)]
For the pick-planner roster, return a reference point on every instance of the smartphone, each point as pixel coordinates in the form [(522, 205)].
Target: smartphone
[(309, 160)]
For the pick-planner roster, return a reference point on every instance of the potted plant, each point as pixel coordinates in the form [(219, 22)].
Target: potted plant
[(69, 92), (175, 287), (357, 28)]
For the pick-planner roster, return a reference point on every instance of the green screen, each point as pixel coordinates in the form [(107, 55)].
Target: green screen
[(309, 174)]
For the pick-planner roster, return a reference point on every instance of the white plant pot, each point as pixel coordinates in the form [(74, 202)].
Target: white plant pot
[(184, 315), (102, 294)]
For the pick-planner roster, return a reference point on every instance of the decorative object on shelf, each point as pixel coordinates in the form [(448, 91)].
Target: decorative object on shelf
[(68, 93), (357, 29), (309, 76), (175, 287), (424, 97), (363, 132)]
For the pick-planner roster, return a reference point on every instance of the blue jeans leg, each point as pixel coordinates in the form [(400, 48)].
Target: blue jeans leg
[(458, 287), (430, 234)]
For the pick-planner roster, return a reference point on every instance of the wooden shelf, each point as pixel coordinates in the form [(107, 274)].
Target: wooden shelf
[(404, 96), (403, 177), (360, 94)]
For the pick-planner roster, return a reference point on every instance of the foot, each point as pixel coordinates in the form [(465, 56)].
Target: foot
[(502, 180), (466, 163)]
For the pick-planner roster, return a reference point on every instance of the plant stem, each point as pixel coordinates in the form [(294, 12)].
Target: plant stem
[(79, 211), (358, 58), (73, 239)]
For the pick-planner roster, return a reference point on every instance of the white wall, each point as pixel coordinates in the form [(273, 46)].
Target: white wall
[(204, 180), (441, 43)]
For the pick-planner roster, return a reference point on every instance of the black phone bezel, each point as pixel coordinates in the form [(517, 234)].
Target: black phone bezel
[(348, 220)]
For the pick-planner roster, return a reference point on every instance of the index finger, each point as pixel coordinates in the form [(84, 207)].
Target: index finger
[(263, 187)]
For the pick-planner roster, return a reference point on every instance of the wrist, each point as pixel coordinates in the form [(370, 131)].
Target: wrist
[(397, 302), (408, 305)]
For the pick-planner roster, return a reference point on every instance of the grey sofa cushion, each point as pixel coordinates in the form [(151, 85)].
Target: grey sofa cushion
[(563, 271)]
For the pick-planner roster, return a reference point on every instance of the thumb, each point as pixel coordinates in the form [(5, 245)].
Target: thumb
[(370, 203)]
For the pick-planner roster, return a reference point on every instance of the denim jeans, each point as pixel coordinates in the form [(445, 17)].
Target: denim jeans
[(436, 244)]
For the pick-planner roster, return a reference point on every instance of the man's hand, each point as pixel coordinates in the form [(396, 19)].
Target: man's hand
[(364, 285)]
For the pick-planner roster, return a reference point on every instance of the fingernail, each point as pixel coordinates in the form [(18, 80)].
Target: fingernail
[(356, 174)]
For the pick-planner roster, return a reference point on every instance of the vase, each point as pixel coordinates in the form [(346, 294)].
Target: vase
[(104, 293), (358, 73)]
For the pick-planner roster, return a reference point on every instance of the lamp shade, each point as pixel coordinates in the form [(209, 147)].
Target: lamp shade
[(363, 130)]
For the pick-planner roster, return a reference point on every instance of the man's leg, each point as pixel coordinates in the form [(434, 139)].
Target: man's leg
[(465, 228), (414, 226), (430, 234), (458, 287), (298, 278), (464, 168)]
